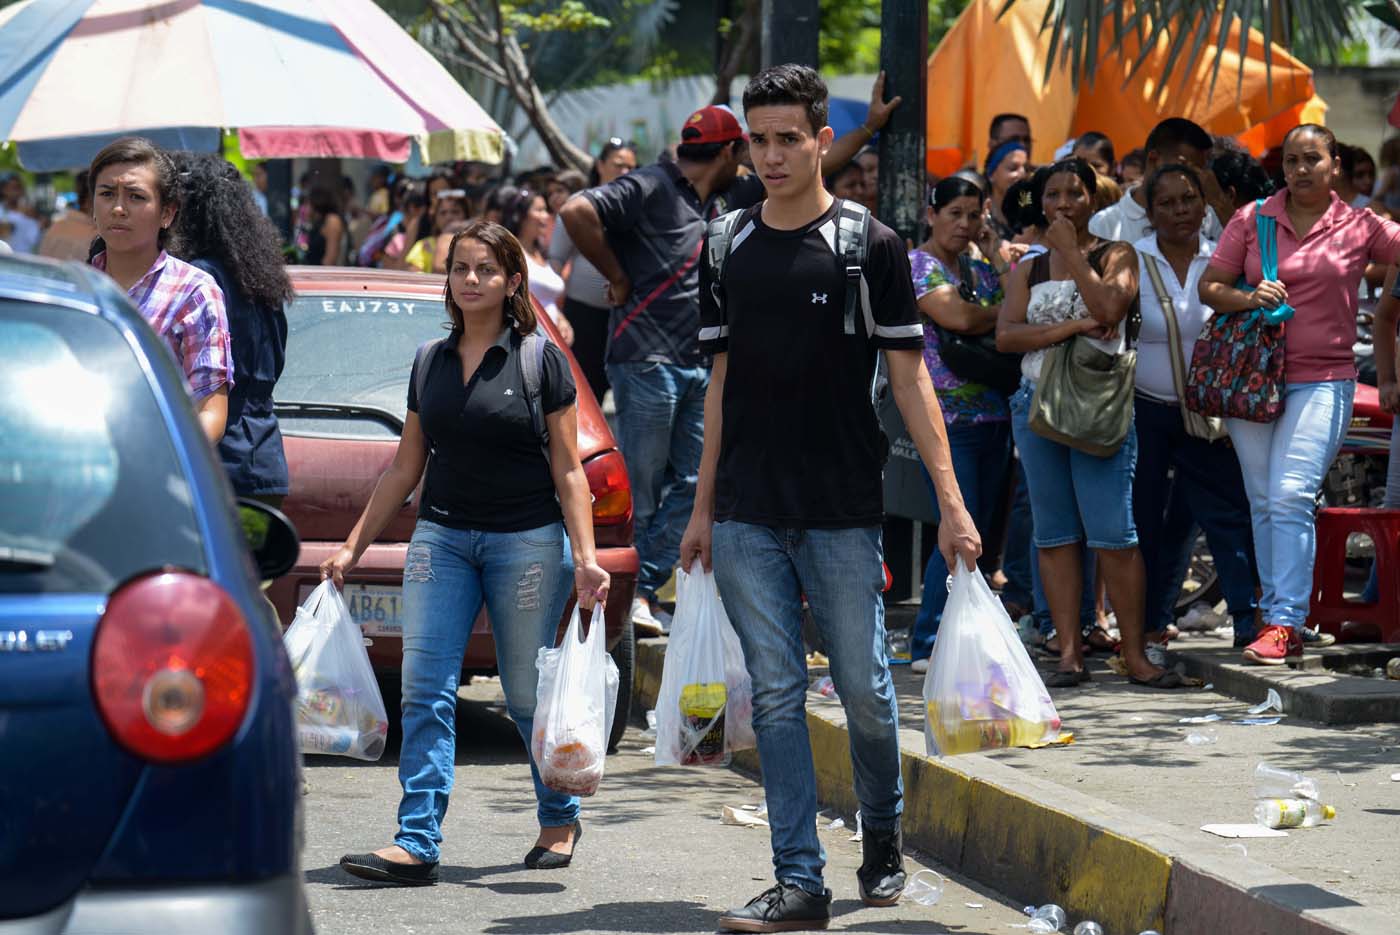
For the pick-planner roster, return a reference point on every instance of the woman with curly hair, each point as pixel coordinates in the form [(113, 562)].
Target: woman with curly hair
[(221, 231)]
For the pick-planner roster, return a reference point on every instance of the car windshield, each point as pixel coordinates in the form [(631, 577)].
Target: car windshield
[(353, 352), (91, 491)]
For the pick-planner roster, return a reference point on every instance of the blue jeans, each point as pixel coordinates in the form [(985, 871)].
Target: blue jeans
[(1207, 487), (1284, 463), (762, 574), (1022, 567), (661, 429), (1016, 553), (981, 453), (1075, 496), (524, 579)]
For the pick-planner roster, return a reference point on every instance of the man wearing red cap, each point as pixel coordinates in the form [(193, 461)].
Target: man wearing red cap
[(644, 232)]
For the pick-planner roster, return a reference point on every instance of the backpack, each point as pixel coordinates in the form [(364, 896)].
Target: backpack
[(531, 358), (852, 245)]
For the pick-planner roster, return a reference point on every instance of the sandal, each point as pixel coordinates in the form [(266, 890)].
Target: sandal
[(1166, 679), (1062, 679), (1103, 643)]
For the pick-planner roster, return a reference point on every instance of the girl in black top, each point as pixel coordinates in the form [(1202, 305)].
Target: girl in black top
[(489, 532), (221, 231)]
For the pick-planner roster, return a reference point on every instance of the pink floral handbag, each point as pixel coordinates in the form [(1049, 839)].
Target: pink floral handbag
[(1237, 365)]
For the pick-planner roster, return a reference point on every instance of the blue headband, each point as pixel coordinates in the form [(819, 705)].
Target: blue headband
[(1001, 152)]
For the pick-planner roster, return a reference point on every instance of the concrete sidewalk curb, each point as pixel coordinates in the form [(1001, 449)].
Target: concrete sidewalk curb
[(1317, 695), (1040, 842)]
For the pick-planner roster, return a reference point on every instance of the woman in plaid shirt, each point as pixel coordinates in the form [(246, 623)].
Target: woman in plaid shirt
[(134, 205)]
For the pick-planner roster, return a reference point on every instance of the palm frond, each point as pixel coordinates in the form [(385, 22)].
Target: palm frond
[(1074, 30)]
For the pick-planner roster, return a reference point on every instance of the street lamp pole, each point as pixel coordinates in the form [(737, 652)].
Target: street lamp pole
[(903, 154), (790, 30), (903, 178)]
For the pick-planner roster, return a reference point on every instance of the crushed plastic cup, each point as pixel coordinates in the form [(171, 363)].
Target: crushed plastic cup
[(1271, 702), (1047, 919), (825, 686), (1202, 737), (1275, 782), (1088, 928), (924, 888)]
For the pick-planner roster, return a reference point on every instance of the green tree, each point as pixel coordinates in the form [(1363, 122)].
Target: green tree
[(850, 32), (1310, 29)]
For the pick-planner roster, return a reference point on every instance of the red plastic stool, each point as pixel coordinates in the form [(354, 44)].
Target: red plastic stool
[(1330, 609)]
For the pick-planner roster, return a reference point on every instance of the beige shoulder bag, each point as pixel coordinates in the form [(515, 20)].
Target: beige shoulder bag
[(1211, 429)]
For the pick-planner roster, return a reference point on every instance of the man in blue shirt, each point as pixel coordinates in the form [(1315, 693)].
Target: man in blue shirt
[(644, 232)]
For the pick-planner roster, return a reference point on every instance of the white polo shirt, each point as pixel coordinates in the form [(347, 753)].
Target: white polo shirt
[(1127, 221)]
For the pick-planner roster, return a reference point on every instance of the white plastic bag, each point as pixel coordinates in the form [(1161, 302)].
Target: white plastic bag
[(704, 710), (574, 708), (982, 691), (339, 708)]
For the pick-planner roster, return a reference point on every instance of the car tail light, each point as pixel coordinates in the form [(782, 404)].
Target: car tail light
[(172, 666), (612, 491)]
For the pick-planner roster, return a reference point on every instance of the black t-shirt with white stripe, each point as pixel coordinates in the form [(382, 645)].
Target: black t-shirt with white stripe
[(801, 445)]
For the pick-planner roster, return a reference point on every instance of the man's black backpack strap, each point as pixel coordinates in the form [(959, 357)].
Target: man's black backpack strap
[(720, 241), (852, 245)]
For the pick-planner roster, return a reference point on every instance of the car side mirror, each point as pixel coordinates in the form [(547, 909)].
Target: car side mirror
[(271, 537)]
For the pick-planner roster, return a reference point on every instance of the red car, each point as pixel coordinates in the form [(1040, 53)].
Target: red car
[(341, 402)]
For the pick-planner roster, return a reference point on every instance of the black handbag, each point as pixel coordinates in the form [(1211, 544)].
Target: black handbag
[(974, 357)]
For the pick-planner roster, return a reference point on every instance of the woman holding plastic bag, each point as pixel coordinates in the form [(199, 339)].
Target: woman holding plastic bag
[(489, 531)]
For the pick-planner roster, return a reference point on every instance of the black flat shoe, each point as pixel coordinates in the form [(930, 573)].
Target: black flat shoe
[(376, 868), (542, 858)]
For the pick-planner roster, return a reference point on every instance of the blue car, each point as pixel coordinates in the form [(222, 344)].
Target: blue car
[(149, 772)]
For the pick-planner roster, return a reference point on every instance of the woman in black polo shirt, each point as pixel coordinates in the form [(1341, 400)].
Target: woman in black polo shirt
[(489, 531)]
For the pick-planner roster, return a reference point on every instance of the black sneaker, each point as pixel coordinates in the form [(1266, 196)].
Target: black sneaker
[(881, 873), (1315, 639), (782, 908)]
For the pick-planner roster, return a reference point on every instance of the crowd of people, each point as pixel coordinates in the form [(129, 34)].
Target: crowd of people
[(732, 296), (1055, 260)]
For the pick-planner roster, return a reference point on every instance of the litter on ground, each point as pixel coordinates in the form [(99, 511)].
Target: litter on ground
[(1243, 831)]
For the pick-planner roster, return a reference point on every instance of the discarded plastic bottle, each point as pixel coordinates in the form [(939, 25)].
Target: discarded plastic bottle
[(1088, 928), (1047, 919), (1273, 782), (1292, 813), (825, 686), (924, 888)]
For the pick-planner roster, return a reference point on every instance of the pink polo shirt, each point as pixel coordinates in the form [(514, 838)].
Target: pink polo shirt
[(1322, 275)]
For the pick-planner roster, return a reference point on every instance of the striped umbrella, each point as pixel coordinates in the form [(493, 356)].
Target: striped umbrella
[(315, 78)]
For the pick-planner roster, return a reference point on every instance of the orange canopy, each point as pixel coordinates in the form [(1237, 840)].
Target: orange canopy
[(985, 66)]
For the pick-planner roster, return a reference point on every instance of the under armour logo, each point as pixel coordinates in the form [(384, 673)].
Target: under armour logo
[(818, 297), (510, 392)]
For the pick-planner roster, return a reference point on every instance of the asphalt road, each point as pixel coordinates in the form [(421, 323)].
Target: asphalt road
[(654, 858)]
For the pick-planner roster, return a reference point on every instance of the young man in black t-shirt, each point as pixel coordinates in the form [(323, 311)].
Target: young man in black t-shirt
[(790, 487)]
